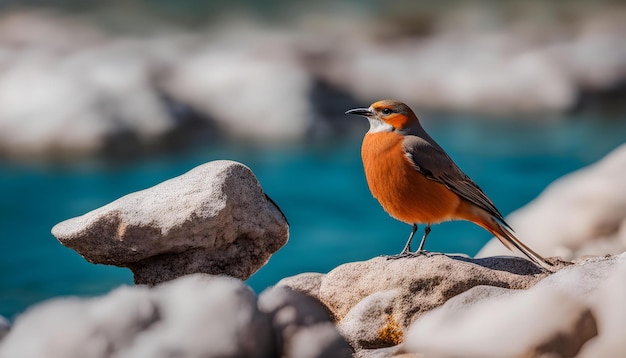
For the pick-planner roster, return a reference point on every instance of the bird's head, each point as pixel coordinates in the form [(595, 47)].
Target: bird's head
[(387, 115)]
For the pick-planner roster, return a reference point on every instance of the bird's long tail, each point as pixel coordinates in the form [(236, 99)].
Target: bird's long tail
[(510, 241)]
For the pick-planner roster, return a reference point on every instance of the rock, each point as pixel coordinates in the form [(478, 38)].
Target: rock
[(497, 322), (291, 309), (608, 308), (213, 316), (375, 301), (41, 30), (517, 67), (542, 322), (321, 340), (213, 219), (370, 323), (499, 74), (213, 78), (593, 72), (68, 126), (88, 327), (302, 325), (308, 283), (110, 81), (5, 327), (147, 91), (582, 213), (194, 316)]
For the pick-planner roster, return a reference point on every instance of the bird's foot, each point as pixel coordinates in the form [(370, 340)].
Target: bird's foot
[(409, 254), (402, 255)]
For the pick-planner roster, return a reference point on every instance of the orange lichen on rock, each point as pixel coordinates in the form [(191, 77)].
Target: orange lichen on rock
[(391, 332)]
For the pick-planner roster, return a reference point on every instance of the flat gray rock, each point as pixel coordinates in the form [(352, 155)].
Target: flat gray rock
[(213, 219)]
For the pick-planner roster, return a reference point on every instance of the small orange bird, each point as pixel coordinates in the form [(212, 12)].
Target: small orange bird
[(416, 181)]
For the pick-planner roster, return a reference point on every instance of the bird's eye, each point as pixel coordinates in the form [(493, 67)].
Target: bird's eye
[(386, 111)]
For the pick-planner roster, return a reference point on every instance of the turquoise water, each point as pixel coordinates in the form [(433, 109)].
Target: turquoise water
[(320, 187)]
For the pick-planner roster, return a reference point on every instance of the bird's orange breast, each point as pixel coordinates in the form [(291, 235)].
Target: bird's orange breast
[(403, 192)]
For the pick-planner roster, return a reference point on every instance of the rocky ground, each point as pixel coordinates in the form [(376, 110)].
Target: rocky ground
[(190, 300), (70, 87)]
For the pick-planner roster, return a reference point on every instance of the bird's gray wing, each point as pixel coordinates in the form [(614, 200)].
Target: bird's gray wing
[(432, 161)]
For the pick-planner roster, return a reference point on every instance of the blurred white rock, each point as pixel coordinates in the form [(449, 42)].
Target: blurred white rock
[(608, 307), (506, 326), (573, 309), (302, 325), (194, 316), (69, 86), (594, 61), (38, 29), (74, 99), (489, 73), (250, 93), (582, 213), (42, 108), (121, 75)]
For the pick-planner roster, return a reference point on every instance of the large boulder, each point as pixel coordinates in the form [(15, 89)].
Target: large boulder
[(213, 219), (450, 306), (375, 301)]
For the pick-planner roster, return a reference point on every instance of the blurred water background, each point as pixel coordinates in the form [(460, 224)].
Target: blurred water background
[(100, 99)]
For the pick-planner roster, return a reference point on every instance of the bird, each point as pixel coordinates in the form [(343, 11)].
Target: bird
[(416, 181)]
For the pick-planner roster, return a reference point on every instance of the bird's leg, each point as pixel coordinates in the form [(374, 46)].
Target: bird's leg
[(407, 247), (420, 249), (406, 252)]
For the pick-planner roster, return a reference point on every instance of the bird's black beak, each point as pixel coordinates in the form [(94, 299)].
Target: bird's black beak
[(365, 112)]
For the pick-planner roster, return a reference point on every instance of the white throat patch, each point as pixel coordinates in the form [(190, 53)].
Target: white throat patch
[(376, 126)]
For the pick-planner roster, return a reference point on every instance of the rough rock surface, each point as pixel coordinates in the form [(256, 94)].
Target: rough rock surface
[(583, 213), (193, 316), (213, 219), (579, 306), (375, 301)]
